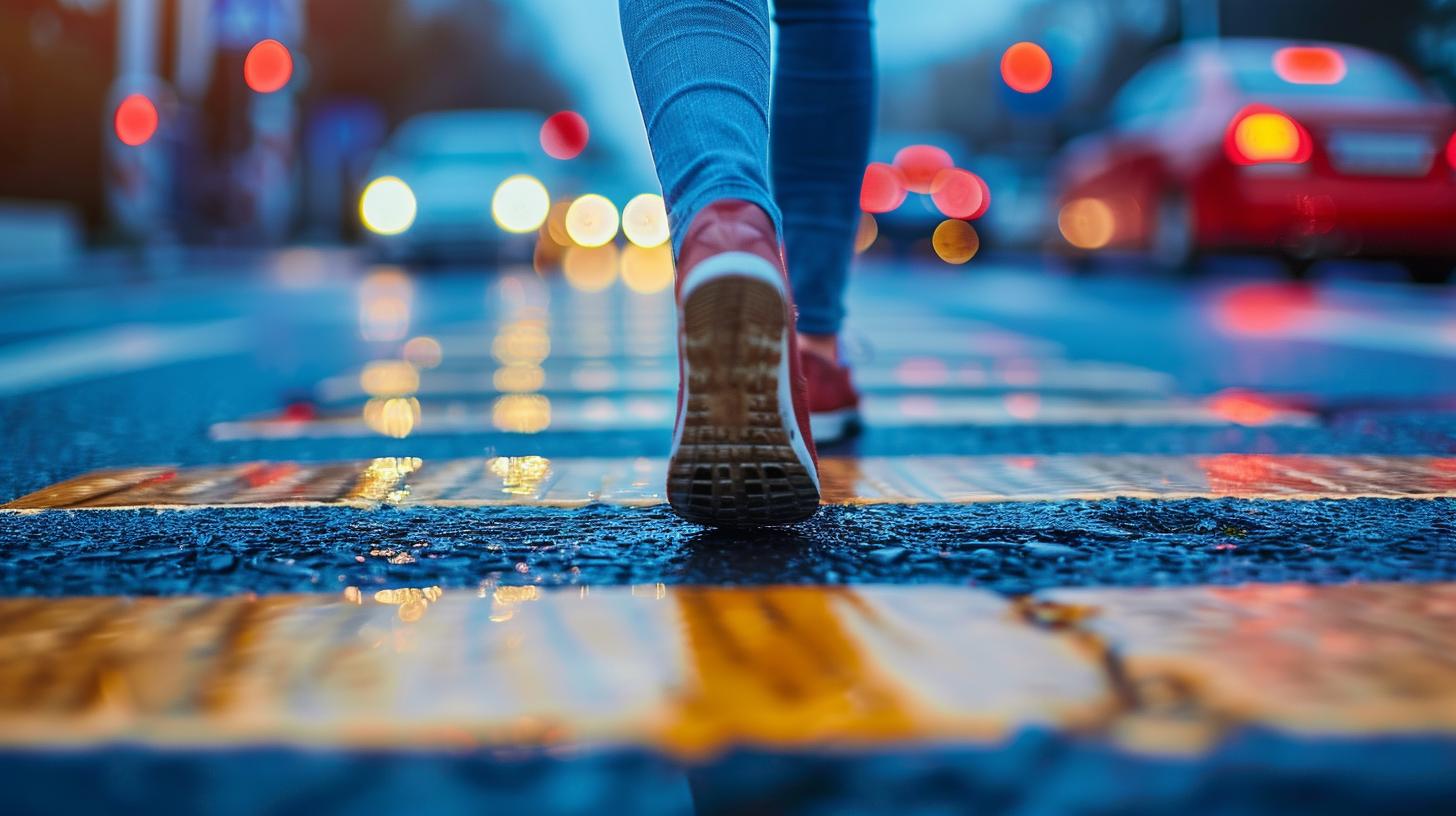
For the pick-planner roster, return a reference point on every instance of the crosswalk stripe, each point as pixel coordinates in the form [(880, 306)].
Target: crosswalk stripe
[(693, 670), (538, 481), (934, 374), (532, 413)]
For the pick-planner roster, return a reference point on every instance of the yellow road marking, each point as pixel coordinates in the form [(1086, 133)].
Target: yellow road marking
[(695, 670), (541, 482), (1322, 660), (688, 670)]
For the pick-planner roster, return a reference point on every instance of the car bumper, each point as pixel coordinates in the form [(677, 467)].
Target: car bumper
[(1315, 215)]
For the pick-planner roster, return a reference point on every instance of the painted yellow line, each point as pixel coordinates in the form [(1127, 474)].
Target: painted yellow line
[(687, 670), (696, 670), (1318, 660), (537, 481)]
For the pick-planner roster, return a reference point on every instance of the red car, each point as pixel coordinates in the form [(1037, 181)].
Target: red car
[(1313, 151)]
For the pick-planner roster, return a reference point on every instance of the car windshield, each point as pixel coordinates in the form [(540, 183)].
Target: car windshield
[(1337, 75), (484, 135)]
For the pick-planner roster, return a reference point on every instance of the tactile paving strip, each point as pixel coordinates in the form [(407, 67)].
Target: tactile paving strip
[(537, 481), (689, 670)]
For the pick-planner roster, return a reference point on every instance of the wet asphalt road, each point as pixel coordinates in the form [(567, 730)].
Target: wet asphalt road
[(194, 340)]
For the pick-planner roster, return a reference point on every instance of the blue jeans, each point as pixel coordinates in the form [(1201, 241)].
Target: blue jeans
[(701, 68)]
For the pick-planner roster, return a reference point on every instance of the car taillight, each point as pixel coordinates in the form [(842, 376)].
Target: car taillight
[(1262, 135), (1451, 152)]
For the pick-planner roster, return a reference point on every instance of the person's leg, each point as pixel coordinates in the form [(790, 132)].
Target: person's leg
[(701, 68), (823, 116), (742, 452)]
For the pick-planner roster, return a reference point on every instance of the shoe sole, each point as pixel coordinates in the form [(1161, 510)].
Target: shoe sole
[(738, 459)]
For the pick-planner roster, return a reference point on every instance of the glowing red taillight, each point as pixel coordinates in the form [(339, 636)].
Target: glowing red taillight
[(1451, 152), (1264, 135)]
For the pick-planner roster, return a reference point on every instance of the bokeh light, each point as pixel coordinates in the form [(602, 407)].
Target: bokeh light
[(883, 189), (1022, 405), (644, 220), (592, 220), (959, 193), (1243, 407), (1026, 68), (1310, 65), (1264, 309), (1087, 223), (386, 296), (647, 270), (521, 341), (387, 206), (521, 413), (920, 164), (564, 135), (556, 223), (520, 204), (1268, 136), (519, 377), (423, 352), (955, 241), (268, 66), (1451, 152), (590, 268), (392, 416), (866, 233), (389, 378), (136, 120)]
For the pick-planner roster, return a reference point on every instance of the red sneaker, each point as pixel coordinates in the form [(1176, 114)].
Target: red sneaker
[(742, 452), (833, 400)]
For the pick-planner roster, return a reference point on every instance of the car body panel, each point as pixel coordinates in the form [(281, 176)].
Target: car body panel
[(1377, 181)]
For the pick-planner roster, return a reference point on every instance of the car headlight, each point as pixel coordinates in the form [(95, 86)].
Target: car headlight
[(387, 206), (520, 204)]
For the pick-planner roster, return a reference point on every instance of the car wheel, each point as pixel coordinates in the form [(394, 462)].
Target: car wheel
[(1429, 270), (1173, 244)]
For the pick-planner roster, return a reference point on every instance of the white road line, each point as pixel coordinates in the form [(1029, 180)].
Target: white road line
[(40, 364)]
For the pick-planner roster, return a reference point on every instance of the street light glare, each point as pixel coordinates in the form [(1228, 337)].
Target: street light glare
[(592, 220), (268, 66), (136, 120), (387, 206), (520, 204)]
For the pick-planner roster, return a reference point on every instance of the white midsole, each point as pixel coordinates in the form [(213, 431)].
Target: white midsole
[(746, 266)]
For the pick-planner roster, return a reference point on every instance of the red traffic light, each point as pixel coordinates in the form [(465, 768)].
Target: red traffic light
[(268, 66), (136, 120)]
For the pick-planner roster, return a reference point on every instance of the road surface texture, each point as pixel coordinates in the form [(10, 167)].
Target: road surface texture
[(298, 533)]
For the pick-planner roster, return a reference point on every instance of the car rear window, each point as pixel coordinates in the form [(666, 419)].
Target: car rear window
[(1367, 78)]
